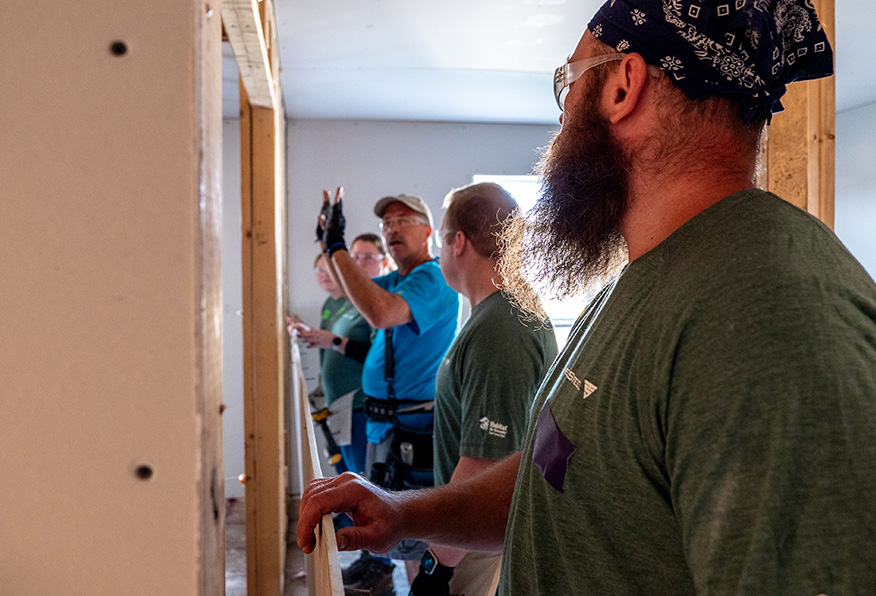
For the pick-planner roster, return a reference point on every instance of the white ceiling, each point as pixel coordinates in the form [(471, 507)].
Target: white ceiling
[(467, 60)]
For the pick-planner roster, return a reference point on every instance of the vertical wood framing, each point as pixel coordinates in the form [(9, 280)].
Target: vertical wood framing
[(800, 148), (323, 569), (249, 25), (208, 316), (263, 210)]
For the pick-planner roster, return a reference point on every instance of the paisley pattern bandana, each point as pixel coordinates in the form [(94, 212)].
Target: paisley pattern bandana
[(749, 49)]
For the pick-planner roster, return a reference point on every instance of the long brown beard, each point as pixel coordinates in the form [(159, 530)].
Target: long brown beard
[(568, 244)]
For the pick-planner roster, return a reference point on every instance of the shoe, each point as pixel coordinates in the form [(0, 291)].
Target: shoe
[(367, 573), (356, 568)]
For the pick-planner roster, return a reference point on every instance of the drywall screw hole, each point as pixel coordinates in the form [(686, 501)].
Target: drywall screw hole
[(118, 48), (144, 472)]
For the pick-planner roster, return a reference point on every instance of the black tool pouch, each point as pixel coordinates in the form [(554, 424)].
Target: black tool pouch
[(411, 455)]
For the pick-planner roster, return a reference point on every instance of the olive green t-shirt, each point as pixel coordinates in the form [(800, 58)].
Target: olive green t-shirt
[(486, 383), (710, 427), (339, 374)]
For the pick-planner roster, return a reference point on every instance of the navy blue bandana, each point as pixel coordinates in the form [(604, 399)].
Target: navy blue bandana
[(748, 49)]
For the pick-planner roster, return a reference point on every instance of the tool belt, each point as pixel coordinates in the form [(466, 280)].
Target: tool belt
[(388, 410), (410, 460)]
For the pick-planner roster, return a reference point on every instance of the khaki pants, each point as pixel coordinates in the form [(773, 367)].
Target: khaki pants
[(477, 574)]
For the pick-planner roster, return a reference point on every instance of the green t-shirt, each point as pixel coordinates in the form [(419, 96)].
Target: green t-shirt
[(486, 383), (339, 374), (710, 427)]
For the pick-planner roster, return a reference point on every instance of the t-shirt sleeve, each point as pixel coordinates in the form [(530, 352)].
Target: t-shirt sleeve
[(502, 370), (357, 350), (428, 296), (770, 443)]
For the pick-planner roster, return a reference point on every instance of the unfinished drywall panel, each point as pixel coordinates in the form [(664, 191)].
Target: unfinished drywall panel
[(110, 365)]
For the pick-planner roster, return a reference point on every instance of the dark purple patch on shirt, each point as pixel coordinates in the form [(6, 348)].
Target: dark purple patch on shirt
[(552, 449)]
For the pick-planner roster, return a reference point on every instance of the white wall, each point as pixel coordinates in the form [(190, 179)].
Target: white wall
[(232, 296), (372, 159), (856, 183)]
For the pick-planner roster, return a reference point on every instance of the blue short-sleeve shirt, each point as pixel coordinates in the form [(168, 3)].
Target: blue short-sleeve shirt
[(418, 346)]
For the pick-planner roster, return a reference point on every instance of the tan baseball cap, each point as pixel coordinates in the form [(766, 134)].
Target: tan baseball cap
[(412, 201)]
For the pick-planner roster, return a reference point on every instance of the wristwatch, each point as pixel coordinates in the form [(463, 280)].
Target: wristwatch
[(432, 567), (336, 343)]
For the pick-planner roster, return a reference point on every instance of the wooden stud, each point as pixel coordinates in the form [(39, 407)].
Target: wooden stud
[(799, 154), (323, 569), (250, 30), (264, 339), (208, 323)]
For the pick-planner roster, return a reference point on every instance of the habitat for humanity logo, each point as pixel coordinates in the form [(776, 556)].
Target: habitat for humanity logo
[(494, 428)]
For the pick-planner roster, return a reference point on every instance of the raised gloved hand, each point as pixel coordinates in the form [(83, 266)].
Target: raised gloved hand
[(334, 230), (324, 213), (436, 584)]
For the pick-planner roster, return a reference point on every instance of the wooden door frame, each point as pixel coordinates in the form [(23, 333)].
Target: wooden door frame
[(249, 27)]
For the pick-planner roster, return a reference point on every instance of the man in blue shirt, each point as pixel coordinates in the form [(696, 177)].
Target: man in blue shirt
[(414, 310)]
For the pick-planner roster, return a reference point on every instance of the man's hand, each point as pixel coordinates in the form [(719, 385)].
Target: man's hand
[(334, 230), (315, 338), (375, 512)]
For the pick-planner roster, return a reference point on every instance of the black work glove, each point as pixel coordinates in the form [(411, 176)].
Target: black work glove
[(324, 212), (430, 585), (334, 230)]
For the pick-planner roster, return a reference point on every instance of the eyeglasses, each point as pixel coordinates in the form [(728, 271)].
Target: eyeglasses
[(440, 235), (367, 258), (402, 221), (570, 72)]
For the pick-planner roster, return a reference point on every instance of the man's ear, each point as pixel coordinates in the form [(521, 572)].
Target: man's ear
[(459, 243), (624, 88)]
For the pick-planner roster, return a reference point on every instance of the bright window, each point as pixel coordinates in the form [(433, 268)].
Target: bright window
[(563, 313)]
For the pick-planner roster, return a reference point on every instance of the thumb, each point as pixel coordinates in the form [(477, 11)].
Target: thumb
[(358, 538)]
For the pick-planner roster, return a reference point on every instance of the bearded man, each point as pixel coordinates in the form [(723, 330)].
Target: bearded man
[(710, 427)]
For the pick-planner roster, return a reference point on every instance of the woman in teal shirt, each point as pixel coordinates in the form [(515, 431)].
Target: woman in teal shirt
[(344, 338)]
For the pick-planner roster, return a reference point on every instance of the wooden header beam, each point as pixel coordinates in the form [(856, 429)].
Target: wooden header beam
[(251, 40)]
